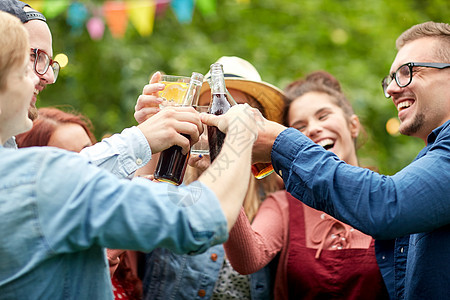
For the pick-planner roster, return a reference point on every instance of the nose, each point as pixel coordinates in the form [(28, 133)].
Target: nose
[(393, 88), (313, 129), (48, 77)]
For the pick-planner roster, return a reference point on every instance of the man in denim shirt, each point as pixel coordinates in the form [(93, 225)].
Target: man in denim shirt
[(122, 154), (408, 213)]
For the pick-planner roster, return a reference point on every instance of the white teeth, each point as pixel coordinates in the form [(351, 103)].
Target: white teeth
[(404, 104), (326, 143)]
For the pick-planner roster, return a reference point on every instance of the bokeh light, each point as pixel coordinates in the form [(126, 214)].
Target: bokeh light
[(392, 126), (62, 59)]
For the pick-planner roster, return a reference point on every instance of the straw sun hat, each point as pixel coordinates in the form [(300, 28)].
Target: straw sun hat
[(242, 76)]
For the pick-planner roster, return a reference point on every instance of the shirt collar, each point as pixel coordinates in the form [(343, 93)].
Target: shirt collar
[(432, 136)]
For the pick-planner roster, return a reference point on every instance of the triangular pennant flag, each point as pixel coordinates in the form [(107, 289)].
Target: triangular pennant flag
[(161, 7), (53, 8), (142, 15), (96, 28), (116, 17), (77, 15), (183, 10), (36, 4), (207, 7)]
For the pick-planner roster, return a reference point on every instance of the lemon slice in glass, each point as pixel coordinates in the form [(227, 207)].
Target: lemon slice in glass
[(173, 93)]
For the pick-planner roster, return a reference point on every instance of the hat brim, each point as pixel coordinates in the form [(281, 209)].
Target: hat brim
[(270, 97)]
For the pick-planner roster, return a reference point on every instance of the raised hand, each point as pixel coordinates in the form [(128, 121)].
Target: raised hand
[(165, 128), (147, 104)]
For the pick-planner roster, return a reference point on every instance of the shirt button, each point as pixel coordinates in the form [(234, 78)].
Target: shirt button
[(383, 257), (401, 250), (139, 161), (201, 293), (214, 257)]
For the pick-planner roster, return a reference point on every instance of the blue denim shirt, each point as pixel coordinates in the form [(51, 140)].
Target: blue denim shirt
[(58, 213), (174, 277), (121, 154), (412, 207)]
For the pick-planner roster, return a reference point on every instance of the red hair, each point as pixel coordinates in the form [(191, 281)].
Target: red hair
[(45, 125)]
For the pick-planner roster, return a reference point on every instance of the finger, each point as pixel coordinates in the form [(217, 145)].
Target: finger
[(155, 77), (188, 115), (153, 88), (145, 113), (147, 101), (193, 159), (183, 142)]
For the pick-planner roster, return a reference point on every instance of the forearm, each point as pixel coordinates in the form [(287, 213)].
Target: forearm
[(229, 175), (411, 201)]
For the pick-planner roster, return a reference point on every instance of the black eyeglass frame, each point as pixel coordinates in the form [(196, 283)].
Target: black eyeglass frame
[(53, 63), (388, 79)]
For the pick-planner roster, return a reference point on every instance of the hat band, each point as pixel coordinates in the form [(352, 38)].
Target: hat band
[(232, 75), (35, 15)]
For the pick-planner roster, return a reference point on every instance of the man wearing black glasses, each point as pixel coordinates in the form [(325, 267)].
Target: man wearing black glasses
[(408, 213), (123, 153)]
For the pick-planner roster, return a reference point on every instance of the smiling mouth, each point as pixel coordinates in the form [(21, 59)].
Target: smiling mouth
[(327, 144), (404, 105)]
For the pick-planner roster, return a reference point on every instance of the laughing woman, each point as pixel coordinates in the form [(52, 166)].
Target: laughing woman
[(318, 256)]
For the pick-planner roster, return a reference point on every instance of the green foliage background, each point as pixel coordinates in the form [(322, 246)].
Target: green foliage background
[(284, 39)]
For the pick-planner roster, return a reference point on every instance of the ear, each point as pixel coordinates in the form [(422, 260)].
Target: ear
[(354, 126)]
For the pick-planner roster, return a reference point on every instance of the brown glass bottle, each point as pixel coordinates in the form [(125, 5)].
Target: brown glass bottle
[(220, 103), (172, 163)]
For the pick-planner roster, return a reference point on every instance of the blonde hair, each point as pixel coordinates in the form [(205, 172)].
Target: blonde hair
[(14, 45), (440, 31)]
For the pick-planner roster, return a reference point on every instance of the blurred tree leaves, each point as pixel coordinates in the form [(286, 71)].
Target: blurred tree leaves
[(284, 39)]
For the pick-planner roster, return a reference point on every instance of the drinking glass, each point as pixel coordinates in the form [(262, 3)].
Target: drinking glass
[(202, 146), (174, 91)]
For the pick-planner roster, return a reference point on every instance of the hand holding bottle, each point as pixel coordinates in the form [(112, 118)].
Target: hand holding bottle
[(167, 127), (240, 119), (173, 161)]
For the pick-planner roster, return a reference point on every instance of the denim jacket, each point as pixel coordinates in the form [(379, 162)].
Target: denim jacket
[(172, 277), (58, 213)]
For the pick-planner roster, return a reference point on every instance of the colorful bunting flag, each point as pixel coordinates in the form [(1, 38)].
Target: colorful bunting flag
[(36, 4), (96, 28), (207, 7), (53, 8), (117, 12), (116, 17), (183, 10), (77, 15), (142, 14), (161, 7)]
